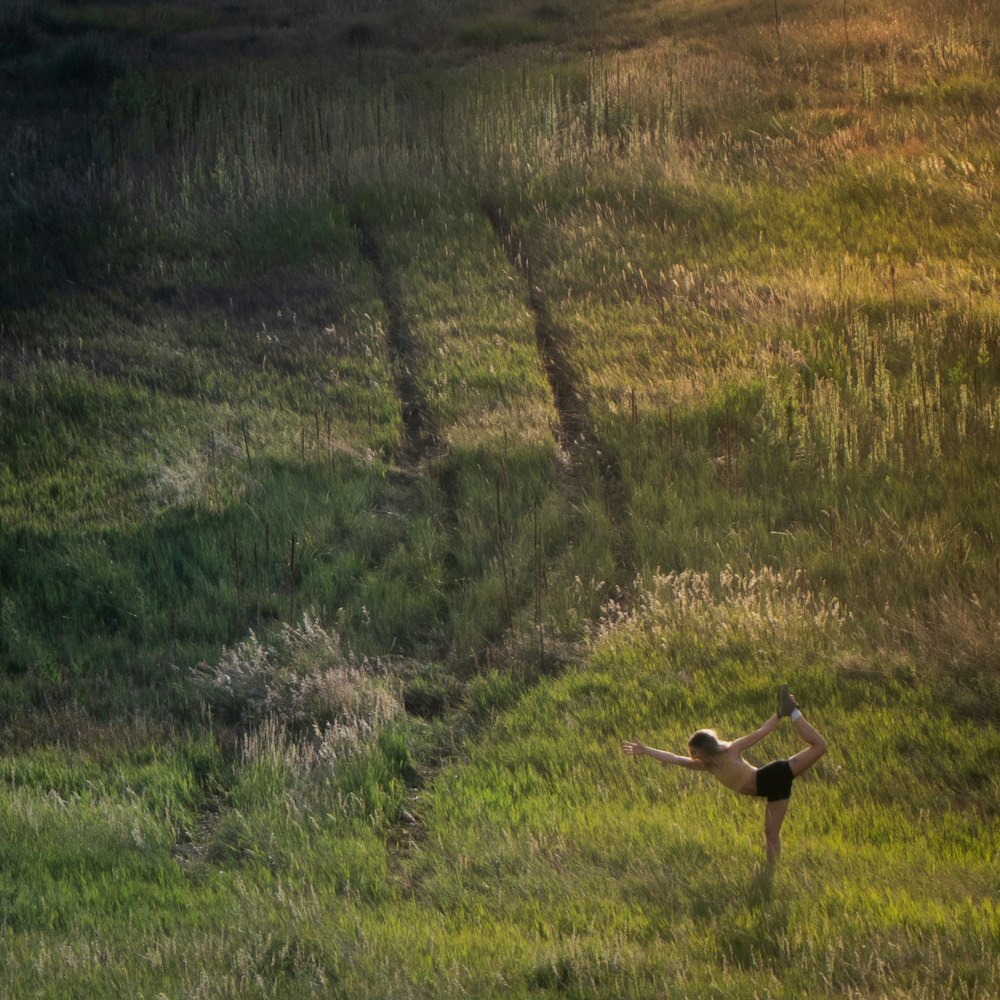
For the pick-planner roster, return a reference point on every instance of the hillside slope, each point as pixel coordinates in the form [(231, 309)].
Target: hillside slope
[(403, 404)]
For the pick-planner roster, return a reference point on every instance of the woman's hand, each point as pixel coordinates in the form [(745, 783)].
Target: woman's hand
[(633, 748)]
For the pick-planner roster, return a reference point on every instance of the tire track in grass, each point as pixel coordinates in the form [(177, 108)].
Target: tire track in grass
[(419, 435), (576, 427), (424, 453), (578, 435)]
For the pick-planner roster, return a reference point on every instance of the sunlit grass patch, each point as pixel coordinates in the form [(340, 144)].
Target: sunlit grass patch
[(547, 825), (84, 843)]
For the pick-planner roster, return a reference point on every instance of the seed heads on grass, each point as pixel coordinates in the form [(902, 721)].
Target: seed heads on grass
[(301, 677)]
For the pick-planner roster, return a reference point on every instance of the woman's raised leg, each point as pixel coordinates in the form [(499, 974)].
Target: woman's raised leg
[(805, 759)]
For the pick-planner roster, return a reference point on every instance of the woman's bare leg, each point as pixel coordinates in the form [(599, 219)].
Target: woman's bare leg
[(805, 759), (774, 816), (774, 812)]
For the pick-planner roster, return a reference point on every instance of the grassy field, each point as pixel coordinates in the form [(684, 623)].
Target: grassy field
[(404, 404)]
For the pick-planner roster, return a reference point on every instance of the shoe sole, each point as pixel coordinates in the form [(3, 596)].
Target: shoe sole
[(785, 704)]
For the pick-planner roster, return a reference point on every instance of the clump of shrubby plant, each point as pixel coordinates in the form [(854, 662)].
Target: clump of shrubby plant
[(302, 676)]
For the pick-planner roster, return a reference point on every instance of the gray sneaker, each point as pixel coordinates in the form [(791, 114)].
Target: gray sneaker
[(786, 701)]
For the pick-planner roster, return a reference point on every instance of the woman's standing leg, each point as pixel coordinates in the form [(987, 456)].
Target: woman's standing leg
[(774, 813), (774, 816)]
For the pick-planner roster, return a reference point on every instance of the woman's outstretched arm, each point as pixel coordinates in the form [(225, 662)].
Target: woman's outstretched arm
[(745, 742), (636, 749)]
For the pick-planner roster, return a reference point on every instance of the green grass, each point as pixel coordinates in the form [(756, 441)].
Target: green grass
[(297, 702), (149, 20), (543, 860), (497, 32)]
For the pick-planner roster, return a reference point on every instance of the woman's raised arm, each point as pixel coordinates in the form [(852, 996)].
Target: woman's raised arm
[(745, 742)]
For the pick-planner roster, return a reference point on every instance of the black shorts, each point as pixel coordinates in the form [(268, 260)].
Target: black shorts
[(774, 780)]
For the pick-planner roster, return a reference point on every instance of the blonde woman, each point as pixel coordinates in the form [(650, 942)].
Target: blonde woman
[(724, 761)]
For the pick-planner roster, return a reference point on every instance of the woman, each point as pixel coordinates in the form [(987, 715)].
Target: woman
[(724, 761)]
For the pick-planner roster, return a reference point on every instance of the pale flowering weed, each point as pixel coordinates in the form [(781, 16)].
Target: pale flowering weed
[(762, 607), (303, 679)]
